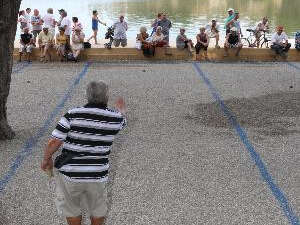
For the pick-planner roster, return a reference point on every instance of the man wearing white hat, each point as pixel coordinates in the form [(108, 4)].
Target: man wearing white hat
[(233, 41), (213, 31), (230, 17)]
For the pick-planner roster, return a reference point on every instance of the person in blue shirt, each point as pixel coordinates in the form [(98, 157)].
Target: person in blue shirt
[(95, 22)]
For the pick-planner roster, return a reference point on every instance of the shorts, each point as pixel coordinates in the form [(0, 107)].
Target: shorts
[(26, 48), (117, 42), (35, 33), (71, 197), (200, 46), (234, 45)]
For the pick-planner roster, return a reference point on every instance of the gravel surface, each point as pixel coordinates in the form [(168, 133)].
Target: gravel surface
[(178, 161)]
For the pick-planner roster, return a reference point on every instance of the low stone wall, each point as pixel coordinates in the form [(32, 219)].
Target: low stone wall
[(103, 54)]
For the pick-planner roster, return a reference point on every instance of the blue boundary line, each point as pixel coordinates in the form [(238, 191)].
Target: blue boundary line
[(21, 67), (293, 65), (32, 141), (278, 194)]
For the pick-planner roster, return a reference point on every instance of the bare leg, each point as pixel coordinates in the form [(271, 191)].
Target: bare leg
[(238, 50), (226, 50), (95, 36), (20, 56), (74, 220), (217, 40), (97, 221)]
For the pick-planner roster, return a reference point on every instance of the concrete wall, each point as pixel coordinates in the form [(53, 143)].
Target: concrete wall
[(102, 54)]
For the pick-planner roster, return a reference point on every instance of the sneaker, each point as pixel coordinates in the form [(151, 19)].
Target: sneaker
[(218, 46)]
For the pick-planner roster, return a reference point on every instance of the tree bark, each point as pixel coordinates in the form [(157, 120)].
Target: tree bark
[(8, 25)]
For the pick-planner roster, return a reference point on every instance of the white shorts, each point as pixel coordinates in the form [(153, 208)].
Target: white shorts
[(26, 48), (71, 197)]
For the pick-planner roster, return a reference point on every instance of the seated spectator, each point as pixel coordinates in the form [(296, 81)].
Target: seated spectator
[(233, 40), (45, 40), (36, 22), (297, 41), (145, 44), (61, 41), (280, 42), (237, 24), (120, 29), (202, 42), (182, 42), (213, 31), (158, 39), (76, 23), (77, 42), (262, 26), (22, 20), (26, 44)]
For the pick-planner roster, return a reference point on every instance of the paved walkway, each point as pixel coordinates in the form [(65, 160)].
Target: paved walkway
[(210, 143)]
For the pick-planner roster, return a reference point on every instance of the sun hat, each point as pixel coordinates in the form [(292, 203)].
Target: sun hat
[(214, 19), (230, 9)]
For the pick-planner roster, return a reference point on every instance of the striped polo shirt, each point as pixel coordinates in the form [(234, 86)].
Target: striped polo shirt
[(88, 133)]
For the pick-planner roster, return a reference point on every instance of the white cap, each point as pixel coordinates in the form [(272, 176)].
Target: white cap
[(230, 9), (214, 19), (46, 27)]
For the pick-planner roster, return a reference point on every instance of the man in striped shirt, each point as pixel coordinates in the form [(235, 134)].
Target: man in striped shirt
[(86, 135)]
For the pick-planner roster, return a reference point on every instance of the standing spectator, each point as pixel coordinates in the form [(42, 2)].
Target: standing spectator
[(120, 29), (297, 41), (229, 19), (202, 42), (22, 20), (61, 41), (166, 26), (36, 22), (280, 42), (77, 42), (49, 21), (95, 28), (66, 24), (233, 40), (28, 17), (26, 44), (262, 26), (213, 31), (45, 40), (155, 23), (86, 135), (61, 11), (236, 23), (76, 23), (182, 42)]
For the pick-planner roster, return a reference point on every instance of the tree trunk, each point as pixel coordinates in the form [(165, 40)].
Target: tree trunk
[(8, 25)]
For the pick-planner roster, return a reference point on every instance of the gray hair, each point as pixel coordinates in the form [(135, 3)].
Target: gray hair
[(97, 92)]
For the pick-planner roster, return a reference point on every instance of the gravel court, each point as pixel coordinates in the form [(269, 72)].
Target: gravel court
[(168, 167), (266, 105)]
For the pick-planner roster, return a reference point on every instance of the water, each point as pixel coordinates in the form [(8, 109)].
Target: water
[(190, 14)]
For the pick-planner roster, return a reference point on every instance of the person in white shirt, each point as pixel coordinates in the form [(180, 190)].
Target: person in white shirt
[(49, 21), (67, 25), (213, 31), (28, 17), (280, 42), (120, 29)]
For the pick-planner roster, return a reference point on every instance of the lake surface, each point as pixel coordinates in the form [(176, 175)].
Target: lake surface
[(190, 14)]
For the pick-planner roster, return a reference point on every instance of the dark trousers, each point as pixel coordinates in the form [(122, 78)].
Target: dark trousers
[(200, 46), (279, 49)]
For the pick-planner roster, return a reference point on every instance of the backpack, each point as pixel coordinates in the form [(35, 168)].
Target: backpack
[(87, 45)]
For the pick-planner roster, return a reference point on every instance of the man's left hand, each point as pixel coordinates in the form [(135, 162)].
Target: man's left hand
[(47, 164)]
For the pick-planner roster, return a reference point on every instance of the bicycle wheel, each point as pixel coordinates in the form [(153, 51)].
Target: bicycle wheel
[(251, 41), (265, 42), (245, 42)]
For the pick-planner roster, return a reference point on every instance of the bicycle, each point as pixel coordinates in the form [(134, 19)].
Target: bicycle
[(250, 41)]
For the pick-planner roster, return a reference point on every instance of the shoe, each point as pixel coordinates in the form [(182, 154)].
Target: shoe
[(218, 46)]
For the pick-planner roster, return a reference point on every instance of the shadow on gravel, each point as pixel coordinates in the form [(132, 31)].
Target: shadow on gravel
[(270, 113)]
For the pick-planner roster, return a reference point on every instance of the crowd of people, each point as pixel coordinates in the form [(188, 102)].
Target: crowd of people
[(39, 31)]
